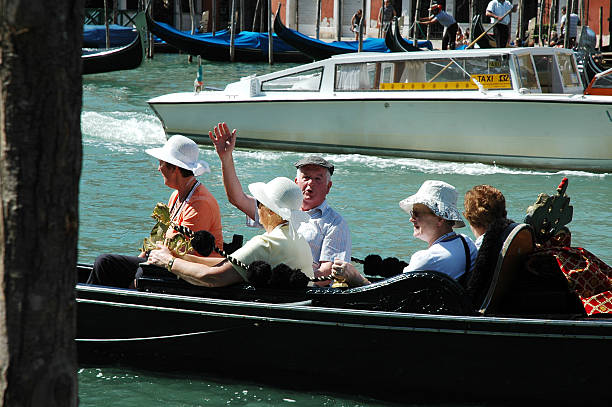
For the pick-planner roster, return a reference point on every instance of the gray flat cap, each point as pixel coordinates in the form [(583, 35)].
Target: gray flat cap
[(315, 160)]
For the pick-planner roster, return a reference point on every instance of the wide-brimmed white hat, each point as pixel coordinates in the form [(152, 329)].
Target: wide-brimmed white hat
[(182, 152), (283, 197), (438, 196)]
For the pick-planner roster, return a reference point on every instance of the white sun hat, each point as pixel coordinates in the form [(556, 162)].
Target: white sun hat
[(438, 196), (283, 197), (182, 152)]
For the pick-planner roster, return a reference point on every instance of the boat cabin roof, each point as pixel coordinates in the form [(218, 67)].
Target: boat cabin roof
[(510, 70)]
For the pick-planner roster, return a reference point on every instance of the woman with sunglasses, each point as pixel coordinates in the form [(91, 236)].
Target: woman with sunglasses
[(434, 214)]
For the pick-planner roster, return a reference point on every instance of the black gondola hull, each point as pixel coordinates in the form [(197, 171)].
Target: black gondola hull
[(118, 59), (289, 338), (220, 52), (487, 40)]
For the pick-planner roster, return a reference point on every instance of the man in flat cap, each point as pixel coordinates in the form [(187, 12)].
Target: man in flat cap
[(326, 232)]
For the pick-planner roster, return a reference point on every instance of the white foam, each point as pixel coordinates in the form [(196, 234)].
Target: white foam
[(122, 131), (447, 167)]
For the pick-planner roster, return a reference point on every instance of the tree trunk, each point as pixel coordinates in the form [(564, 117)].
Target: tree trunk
[(40, 166)]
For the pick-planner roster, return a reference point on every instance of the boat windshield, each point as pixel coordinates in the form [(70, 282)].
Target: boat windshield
[(492, 72), (301, 81), (568, 70), (527, 73), (604, 81)]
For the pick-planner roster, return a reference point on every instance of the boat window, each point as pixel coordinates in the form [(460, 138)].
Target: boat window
[(527, 72), (493, 72), (301, 81), (568, 71), (543, 65), (360, 76)]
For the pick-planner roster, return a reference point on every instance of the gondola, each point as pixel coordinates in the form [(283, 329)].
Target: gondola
[(94, 36), (100, 60), (591, 67), (487, 40), (396, 43), (318, 49), (248, 46), (401, 338)]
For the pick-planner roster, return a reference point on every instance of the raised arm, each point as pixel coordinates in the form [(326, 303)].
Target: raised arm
[(225, 142)]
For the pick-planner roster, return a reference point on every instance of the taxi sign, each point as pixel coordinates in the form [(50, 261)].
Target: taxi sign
[(488, 81)]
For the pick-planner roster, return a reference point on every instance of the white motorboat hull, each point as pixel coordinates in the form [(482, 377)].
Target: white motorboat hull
[(536, 131), (516, 106)]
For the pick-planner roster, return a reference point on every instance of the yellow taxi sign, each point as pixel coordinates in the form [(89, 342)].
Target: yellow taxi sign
[(488, 81), (496, 80)]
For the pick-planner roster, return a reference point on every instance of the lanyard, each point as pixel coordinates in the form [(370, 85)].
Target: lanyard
[(178, 211)]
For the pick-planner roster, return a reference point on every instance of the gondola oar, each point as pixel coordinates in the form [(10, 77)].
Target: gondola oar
[(471, 44)]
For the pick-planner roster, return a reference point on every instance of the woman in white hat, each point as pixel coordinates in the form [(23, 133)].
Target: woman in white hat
[(434, 214), (191, 205), (278, 204)]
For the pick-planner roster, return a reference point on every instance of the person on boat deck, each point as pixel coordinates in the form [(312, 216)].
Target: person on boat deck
[(485, 211), (191, 205), (434, 215), (573, 27), (355, 20), (448, 21), (278, 204), (496, 9), (385, 16), (326, 231)]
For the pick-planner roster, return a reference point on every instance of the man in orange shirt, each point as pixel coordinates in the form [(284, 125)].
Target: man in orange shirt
[(191, 205)]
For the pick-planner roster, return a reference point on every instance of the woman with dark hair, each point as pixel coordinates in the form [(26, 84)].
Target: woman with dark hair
[(483, 205), (485, 210)]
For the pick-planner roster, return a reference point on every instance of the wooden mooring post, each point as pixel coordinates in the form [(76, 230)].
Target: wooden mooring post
[(270, 33), (416, 23)]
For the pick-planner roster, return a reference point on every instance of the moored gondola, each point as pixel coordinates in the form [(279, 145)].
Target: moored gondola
[(94, 36), (409, 46), (248, 46), (487, 40), (318, 49), (116, 59)]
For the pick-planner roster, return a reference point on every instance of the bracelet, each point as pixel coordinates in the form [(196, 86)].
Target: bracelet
[(170, 263)]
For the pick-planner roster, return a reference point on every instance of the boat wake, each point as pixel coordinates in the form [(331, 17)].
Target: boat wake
[(417, 165), (127, 132)]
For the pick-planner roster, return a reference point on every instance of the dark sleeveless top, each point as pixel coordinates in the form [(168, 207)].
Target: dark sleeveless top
[(387, 14)]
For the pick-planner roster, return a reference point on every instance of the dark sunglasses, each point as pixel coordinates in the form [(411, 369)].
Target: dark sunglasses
[(416, 214)]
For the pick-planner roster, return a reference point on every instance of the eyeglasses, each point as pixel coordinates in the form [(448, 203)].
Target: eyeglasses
[(417, 214)]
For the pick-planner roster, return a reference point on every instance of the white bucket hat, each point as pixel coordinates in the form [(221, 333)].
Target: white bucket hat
[(283, 197), (182, 152), (438, 196)]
